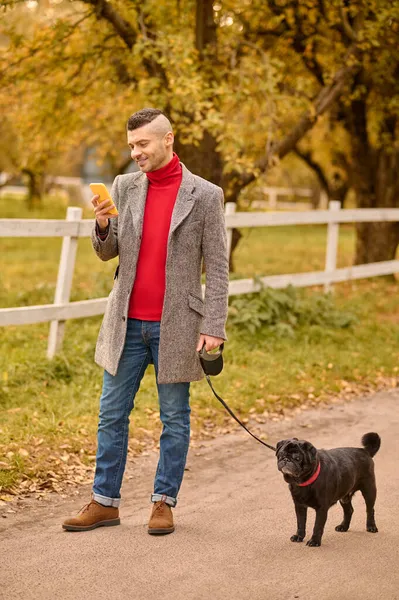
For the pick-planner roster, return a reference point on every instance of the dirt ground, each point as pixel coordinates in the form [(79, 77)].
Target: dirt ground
[(233, 523)]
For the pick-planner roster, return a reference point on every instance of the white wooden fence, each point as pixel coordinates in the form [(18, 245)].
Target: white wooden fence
[(274, 201), (75, 227), (273, 194), (76, 185)]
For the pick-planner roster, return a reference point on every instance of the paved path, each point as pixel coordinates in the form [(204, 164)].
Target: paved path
[(234, 520)]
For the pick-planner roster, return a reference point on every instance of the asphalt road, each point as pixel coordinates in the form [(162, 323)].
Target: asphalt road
[(233, 524)]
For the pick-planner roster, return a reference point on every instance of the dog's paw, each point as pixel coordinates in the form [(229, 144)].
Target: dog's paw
[(296, 538), (341, 527), (313, 543), (372, 528)]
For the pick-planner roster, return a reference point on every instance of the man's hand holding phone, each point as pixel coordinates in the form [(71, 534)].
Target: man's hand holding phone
[(104, 208)]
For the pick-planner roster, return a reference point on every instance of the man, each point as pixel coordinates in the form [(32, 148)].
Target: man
[(169, 220)]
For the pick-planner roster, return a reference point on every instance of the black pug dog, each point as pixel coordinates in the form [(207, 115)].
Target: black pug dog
[(319, 478)]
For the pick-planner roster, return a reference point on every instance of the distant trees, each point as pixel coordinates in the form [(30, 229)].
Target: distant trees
[(245, 83)]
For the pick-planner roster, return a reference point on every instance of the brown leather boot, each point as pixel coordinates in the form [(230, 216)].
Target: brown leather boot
[(93, 515), (161, 520)]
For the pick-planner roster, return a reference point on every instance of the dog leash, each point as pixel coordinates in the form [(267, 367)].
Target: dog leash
[(212, 364)]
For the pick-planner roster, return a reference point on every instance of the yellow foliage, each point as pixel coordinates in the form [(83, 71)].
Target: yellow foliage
[(70, 78)]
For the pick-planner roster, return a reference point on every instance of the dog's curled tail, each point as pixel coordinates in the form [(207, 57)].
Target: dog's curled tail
[(371, 443)]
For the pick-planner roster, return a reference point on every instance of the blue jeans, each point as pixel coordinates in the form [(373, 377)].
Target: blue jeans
[(117, 401)]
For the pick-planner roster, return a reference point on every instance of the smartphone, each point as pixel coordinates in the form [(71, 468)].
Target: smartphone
[(101, 190)]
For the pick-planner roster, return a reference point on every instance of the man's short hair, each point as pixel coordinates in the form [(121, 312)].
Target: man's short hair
[(143, 117)]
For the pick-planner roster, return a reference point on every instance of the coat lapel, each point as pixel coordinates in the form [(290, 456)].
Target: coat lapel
[(184, 200), (137, 194)]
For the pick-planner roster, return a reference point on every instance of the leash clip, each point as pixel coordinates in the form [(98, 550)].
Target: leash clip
[(212, 364)]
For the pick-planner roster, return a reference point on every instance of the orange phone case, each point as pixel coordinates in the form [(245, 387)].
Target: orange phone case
[(101, 190)]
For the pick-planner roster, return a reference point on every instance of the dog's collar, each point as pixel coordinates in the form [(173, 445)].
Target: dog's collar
[(311, 479)]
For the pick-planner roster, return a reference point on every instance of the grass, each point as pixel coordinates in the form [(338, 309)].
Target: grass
[(48, 409), (289, 249)]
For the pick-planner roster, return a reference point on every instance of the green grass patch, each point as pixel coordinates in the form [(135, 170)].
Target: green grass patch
[(286, 348)]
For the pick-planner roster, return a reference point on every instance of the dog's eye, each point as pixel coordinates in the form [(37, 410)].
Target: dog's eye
[(296, 457)]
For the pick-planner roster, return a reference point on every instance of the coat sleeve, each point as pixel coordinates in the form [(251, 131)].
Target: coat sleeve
[(108, 248), (214, 251)]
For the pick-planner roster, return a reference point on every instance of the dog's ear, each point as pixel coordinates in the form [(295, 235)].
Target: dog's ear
[(280, 445), (308, 447)]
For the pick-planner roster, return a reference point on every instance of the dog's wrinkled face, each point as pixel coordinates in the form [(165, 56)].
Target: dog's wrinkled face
[(295, 459)]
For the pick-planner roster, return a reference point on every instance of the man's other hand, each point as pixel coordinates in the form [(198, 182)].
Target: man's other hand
[(210, 342)]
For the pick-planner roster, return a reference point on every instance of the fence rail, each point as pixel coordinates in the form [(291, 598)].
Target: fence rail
[(83, 227), (75, 227)]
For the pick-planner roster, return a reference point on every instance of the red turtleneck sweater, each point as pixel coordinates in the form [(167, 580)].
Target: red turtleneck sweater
[(146, 299)]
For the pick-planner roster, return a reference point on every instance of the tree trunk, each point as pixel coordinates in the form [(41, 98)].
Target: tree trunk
[(203, 160), (36, 182), (376, 242), (235, 238), (205, 26), (375, 179)]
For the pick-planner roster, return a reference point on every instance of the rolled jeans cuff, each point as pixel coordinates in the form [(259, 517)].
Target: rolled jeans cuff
[(163, 498), (114, 502)]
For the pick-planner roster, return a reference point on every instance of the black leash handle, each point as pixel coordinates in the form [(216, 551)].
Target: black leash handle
[(236, 418)]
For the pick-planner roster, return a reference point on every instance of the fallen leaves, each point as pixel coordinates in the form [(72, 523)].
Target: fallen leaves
[(44, 470), (48, 469)]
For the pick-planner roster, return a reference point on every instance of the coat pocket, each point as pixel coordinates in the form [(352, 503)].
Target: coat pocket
[(196, 304)]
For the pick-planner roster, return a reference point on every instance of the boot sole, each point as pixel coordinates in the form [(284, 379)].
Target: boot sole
[(163, 531), (94, 526)]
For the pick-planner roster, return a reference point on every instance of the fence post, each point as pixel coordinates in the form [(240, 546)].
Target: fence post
[(64, 282), (332, 243), (273, 198), (229, 209)]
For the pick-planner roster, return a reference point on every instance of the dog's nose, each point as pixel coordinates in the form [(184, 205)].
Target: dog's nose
[(286, 470), (282, 466)]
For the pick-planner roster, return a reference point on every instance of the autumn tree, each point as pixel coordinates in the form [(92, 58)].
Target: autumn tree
[(362, 35), (245, 83)]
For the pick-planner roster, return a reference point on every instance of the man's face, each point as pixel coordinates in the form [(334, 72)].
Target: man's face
[(150, 149)]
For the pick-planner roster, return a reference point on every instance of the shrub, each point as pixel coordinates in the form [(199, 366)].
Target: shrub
[(283, 311)]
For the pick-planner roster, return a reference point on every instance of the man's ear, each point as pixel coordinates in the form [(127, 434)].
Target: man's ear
[(169, 139)]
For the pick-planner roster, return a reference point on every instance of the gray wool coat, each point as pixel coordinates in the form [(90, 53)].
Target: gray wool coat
[(197, 232)]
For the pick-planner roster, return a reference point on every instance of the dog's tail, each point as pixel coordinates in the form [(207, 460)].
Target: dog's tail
[(371, 443)]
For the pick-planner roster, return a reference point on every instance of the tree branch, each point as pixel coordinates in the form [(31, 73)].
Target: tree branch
[(312, 164), (205, 26), (325, 99), (327, 96), (106, 11), (300, 42), (346, 26), (41, 47), (310, 63)]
